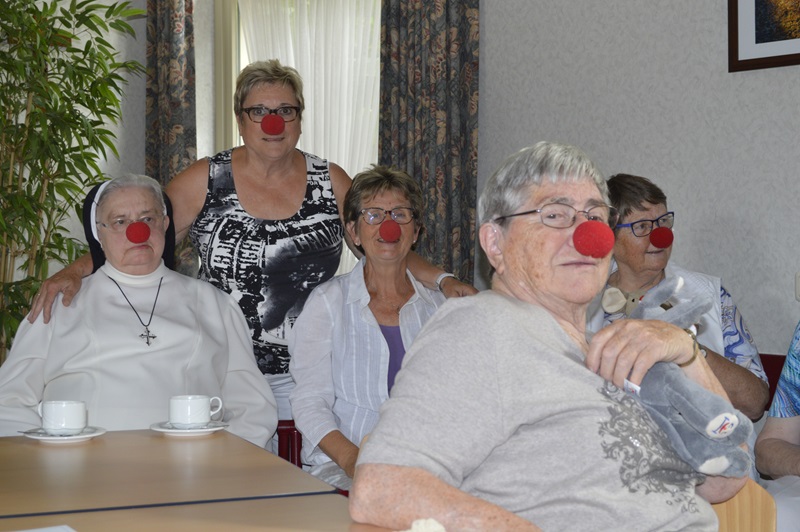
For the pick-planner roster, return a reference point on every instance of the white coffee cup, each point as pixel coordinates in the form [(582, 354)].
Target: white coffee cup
[(192, 411), (63, 418)]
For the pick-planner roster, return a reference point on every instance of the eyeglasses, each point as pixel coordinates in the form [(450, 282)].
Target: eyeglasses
[(376, 215), (562, 216), (120, 225), (257, 113), (645, 227)]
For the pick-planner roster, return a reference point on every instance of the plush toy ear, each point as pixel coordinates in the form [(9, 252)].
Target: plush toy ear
[(651, 305), (663, 293), (684, 315), (664, 303)]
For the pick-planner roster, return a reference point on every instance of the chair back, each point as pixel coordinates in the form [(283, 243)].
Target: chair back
[(750, 510), (773, 365), (290, 441)]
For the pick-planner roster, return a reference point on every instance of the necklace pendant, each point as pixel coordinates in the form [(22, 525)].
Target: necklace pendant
[(147, 336)]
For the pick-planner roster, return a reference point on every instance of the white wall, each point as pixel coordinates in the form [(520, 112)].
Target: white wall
[(643, 88), (130, 131), (204, 75)]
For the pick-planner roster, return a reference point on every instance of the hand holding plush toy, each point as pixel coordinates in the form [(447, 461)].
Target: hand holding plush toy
[(704, 429)]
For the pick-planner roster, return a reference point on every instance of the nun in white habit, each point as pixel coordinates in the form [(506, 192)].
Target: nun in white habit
[(136, 334)]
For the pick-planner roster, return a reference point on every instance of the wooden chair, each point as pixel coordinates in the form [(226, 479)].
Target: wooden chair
[(290, 441), (751, 510)]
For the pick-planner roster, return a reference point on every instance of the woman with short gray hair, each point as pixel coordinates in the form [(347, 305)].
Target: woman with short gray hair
[(349, 342)]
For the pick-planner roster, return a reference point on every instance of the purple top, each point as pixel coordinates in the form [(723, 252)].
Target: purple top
[(396, 350)]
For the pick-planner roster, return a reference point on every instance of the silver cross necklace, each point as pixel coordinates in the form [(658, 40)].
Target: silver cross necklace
[(146, 335)]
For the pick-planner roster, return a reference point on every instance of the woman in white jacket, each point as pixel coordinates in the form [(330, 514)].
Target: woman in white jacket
[(348, 343)]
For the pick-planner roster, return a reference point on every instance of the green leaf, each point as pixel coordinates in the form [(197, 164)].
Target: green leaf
[(56, 55)]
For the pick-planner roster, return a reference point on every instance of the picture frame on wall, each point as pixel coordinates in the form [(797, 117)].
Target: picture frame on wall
[(763, 34)]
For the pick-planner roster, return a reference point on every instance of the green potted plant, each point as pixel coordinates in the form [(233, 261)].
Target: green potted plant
[(60, 87)]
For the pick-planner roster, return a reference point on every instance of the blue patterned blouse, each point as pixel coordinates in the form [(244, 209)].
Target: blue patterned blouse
[(787, 396)]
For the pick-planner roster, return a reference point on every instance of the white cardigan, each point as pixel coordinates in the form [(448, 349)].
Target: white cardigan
[(340, 359)]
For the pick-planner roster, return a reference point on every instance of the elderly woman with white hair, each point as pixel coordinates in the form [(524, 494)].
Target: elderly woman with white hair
[(137, 334), (505, 416)]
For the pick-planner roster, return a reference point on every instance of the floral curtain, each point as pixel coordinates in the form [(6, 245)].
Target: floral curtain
[(170, 132), (170, 143), (429, 118)]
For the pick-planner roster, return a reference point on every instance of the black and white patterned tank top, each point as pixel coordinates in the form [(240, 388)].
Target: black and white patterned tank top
[(268, 266)]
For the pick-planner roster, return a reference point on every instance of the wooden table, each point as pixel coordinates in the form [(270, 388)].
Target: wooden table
[(295, 513), (130, 469)]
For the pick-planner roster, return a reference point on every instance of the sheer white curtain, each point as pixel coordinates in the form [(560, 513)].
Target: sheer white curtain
[(335, 45)]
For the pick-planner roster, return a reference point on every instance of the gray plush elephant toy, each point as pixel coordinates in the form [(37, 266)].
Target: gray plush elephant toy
[(704, 429)]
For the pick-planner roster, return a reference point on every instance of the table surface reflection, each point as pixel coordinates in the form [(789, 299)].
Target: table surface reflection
[(295, 513), (128, 469)]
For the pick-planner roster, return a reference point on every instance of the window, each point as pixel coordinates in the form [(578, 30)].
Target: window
[(335, 45)]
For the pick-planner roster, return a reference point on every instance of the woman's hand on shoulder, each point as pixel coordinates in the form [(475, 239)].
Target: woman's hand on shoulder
[(626, 349), (452, 287), (67, 282)]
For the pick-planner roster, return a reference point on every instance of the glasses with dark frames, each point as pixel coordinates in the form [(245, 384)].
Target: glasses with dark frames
[(645, 227), (259, 112), (376, 215)]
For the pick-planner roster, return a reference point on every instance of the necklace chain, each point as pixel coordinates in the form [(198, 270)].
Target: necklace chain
[(146, 335)]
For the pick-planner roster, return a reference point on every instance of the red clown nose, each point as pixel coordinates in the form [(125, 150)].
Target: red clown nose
[(138, 232), (593, 239), (273, 125), (390, 231), (662, 237)]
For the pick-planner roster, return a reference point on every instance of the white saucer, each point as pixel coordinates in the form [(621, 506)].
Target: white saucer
[(87, 434), (167, 428)]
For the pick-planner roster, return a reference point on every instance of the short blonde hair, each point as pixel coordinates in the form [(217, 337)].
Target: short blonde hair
[(265, 73)]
